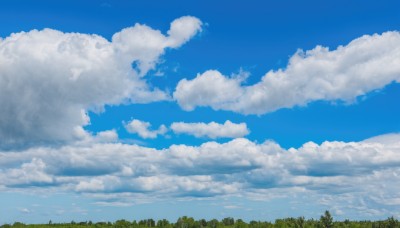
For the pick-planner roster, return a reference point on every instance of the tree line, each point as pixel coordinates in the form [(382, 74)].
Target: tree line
[(325, 221)]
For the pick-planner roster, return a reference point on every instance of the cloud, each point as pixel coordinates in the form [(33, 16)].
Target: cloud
[(366, 64), (183, 30), (49, 80), (142, 129), (211, 130), (143, 45), (331, 173), (28, 174), (384, 139), (24, 210), (210, 88)]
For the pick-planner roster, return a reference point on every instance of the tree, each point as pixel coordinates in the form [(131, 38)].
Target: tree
[(162, 223), (151, 223), (300, 222), (240, 224), (147, 223), (213, 223), (185, 222), (254, 224), (122, 223), (228, 221), (202, 222), (392, 222), (326, 220)]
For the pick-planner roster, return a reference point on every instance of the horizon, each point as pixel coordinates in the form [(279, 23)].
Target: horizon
[(254, 110)]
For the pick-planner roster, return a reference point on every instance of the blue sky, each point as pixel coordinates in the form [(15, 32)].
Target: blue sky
[(250, 109)]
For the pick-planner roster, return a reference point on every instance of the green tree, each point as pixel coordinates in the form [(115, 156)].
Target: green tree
[(185, 222), (254, 224), (162, 223), (213, 223), (122, 223), (300, 222), (202, 223), (326, 220), (240, 224), (228, 221), (392, 222), (147, 223)]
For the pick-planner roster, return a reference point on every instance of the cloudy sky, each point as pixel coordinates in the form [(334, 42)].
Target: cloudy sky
[(158, 109)]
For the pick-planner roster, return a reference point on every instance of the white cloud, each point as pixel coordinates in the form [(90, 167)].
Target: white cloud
[(142, 129), (50, 79), (210, 88), (144, 45), (384, 139), (29, 174), (366, 64), (339, 174), (106, 136), (211, 130), (182, 30), (24, 210)]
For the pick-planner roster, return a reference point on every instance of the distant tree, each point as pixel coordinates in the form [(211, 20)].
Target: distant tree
[(122, 223), (147, 223), (300, 222), (162, 223), (290, 222), (151, 223), (254, 224), (202, 223), (280, 223), (83, 223), (326, 220), (101, 224), (392, 222), (213, 223), (240, 224), (142, 222), (185, 222), (228, 221)]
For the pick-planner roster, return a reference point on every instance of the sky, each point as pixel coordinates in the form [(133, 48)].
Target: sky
[(157, 109)]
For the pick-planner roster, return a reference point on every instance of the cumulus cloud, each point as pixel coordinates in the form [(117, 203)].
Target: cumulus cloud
[(366, 64), (49, 80), (332, 171), (384, 139), (142, 128), (30, 173), (211, 130)]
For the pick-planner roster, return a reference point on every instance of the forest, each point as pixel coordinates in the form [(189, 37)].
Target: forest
[(325, 221)]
